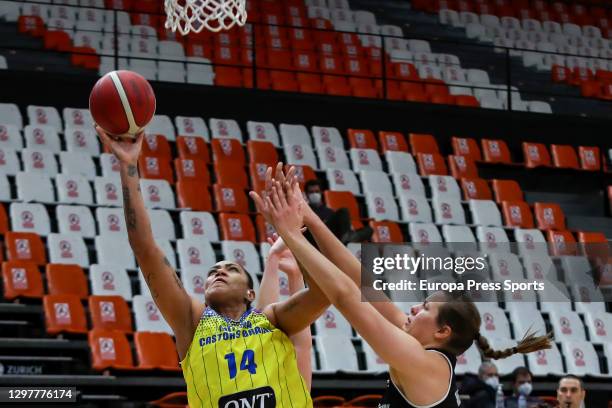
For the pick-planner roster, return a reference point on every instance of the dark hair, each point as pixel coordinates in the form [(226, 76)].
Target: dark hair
[(572, 377), (520, 371), (312, 183), (249, 277), (459, 312)]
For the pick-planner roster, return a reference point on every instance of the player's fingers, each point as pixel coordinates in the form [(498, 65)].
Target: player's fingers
[(268, 202), (275, 198), (268, 180), (290, 174), (259, 202), (279, 172), (281, 194), (105, 139)]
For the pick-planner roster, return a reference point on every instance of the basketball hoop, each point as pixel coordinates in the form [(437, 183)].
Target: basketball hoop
[(195, 15)]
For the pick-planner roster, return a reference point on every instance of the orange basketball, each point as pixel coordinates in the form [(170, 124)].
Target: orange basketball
[(122, 103)]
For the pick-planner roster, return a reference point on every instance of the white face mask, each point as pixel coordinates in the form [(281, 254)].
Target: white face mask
[(314, 198), (525, 389), (492, 382)]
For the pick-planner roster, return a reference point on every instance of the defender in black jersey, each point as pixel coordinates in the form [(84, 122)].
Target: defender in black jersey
[(420, 348)]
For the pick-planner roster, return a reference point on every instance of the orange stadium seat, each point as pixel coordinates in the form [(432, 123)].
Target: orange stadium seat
[(564, 156), (495, 151), (230, 199), (57, 40), (561, 74), (536, 155), (228, 150), (265, 230), (193, 147), (590, 158), (64, 314), (344, 199), (192, 169), (392, 141), (423, 143), (262, 152), (156, 168), (21, 279), (66, 280), (258, 175), (362, 139), (561, 243), (110, 349), (303, 173), (4, 225), (148, 346), (466, 100), (231, 174), (549, 216), (236, 227), (466, 146), (386, 231), (310, 83), (110, 313), (363, 88), (193, 194), (156, 145), (517, 214), (228, 76), (32, 25), (507, 190), (431, 164), (594, 245), (25, 246), (462, 166), (337, 86), (475, 189)]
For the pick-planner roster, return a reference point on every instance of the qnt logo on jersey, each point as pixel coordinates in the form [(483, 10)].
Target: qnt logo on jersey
[(263, 397)]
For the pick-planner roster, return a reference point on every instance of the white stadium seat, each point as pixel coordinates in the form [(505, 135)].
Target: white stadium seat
[(332, 158), (157, 194), (485, 213), (294, 135), (9, 162), (162, 225), (336, 353), (469, 361), (67, 249), (44, 116), (600, 327), (30, 218), (543, 363), (110, 280), (459, 237), (530, 240), (526, 322), (111, 221), (199, 224), (539, 266), (381, 206), (75, 219), (505, 265), (376, 181), (327, 136), (77, 118), (73, 188), (82, 140), (374, 363), (244, 254), (108, 191), (5, 188), (147, 316), (109, 164), (10, 137), (333, 323), (194, 280), (400, 162), (567, 325), (444, 187), (34, 187), (78, 163), (493, 239), (171, 71), (161, 125), (408, 183), (39, 161), (448, 210), (415, 208), (494, 324), (225, 129), (343, 180), (577, 268), (300, 155), (195, 253), (114, 250), (191, 126), (580, 358), (10, 115), (263, 132), (365, 159), (424, 233), (587, 298), (505, 366)]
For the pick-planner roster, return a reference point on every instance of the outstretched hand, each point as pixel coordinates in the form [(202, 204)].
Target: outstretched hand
[(127, 151), (286, 260)]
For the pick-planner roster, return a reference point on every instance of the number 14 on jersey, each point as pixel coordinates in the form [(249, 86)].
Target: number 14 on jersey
[(246, 363)]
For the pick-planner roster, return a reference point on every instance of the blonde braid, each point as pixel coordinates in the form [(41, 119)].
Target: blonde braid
[(528, 344)]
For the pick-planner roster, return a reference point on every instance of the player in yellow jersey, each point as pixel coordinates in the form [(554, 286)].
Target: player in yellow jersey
[(231, 354)]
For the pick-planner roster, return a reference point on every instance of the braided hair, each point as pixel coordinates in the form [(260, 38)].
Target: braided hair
[(528, 344)]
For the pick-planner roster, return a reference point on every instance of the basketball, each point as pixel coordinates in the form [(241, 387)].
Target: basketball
[(122, 103)]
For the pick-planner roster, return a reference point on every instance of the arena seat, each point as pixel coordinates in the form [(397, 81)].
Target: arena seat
[(109, 165), (495, 151), (374, 364), (192, 169), (431, 164), (77, 118), (336, 353), (448, 210), (517, 214), (66, 280), (408, 183), (25, 246), (110, 280), (590, 158), (343, 180), (543, 363), (564, 156), (507, 190), (485, 212), (567, 325), (147, 346), (157, 194), (244, 254), (39, 161), (230, 175), (530, 240), (110, 313), (155, 168), (10, 114), (327, 136), (444, 187), (415, 208), (81, 140), (194, 252), (10, 137), (536, 155), (262, 152), (9, 165), (580, 357), (376, 181), (469, 361), (462, 166), (505, 265), (194, 195), (459, 238), (34, 186), (230, 198), (344, 199), (114, 250), (111, 221), (21, 280), (365, 159), (30, 217), (362, 139), (549, 216), (195, 148), (162, 225), (332, 158), (225, 150), (392, 142), (494, 323), (475, 189), (42, 138), (538, 266), (333, 323), (191, 126), (236, 227), (464, 146), (386, 231), (161, 125), (400, 162), (110, 349), (147, 316), (64, 314), (294, 135), (424, 233), (157, 146), (492, 239), (67, 249), (73, 188)]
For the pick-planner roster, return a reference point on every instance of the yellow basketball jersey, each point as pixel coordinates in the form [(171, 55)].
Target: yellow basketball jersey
[(245, 363)]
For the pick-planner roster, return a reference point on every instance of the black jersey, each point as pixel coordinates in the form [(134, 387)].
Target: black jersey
[(393, 398)]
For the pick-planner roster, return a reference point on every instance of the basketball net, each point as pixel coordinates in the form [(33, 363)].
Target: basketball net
[(195, 15)]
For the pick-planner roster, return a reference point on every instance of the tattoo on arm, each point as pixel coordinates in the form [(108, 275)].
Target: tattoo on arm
[(130, 213), (176, 277), (132, 170)]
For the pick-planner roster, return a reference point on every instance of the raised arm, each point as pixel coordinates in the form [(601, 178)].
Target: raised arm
[(177, 307)]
